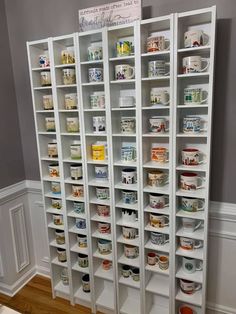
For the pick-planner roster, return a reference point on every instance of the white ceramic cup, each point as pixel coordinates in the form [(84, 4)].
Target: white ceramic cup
[(158, 68), (68, 76), (124, 72), (193, 124), (129, 216), (190, 244), (189, 181), (193, 64), (156, 42), (159, 221), (128, 125), (190, 225), (126, 101), (189, 287), (70, 101), (194, 96), (47, 102), (195, 38), (191, 265), (129, 176), (192, 157), (189, 204), (129, 233), (159, 97), (72, 124), (131, 251), (99, 124), (158, 201), (158, 125)]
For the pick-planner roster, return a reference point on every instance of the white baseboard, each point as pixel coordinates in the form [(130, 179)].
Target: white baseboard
[(220, 309)]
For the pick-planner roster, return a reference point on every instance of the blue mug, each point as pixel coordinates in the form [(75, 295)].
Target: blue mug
[(80, 223)]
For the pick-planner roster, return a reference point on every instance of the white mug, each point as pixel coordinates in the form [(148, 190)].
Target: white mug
[(189, 181), (194, 96), (68, 76), (158, 125), (129, 216), (129, 233), (193, 64), (124, 72), (126, 101), (99, 124), (159, 96), (189, 287), (190, 225), (158, 201), (129, 176), (128, 125), (70, 101), (191, 265), (189, 204), (159, 221), (195, 38), (190, 244), (193, 124), (158, 68), (191, 157)]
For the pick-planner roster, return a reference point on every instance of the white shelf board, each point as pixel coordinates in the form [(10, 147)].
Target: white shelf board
[(106, 299), (121, 239), (197, 135), (123, 108), (154, 107), (71, 181), (157, 78), (122, 186), (99, 202), (97, 162), (164, 211), (122, 81), (93, 84), (66, 86), (124, 134), (84, 270), (155, 53), (58, 66), (192, 168), (42, 87), (64, 289), (51, 179), (70, 160), (76, 230), (157, 309), (162, 248), (94, 110), (195, 298), (200, 74), (95, 182), (70, 133), (130, 305), (151, 134), (125, 163), (68, 110), (156, 269), (96, 217), (154, 164), (193, 49), (96, 134), (194, 215), (200, 193), (158, 285), (48, 159), (122, 58), (44, 111), (197, 253), (55, 244), (159, 190), (135, 262), (75, 248), (81, 295), (129, 282), (120, 204), (103, 256), (98, 235), (105, 274), (121, 222), (55, 211), (40, 69), (55, 261), (53, 226), (91, 62), (74, 199), (193, 106), (46, 133), (76, 215), (165, 230), (197, 276), (197, 234)]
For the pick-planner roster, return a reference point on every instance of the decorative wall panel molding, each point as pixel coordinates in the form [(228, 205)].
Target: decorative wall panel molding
[(20, 243), (1, 267)]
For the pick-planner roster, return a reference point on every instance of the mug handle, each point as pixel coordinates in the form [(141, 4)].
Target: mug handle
[(166, 103), (198, 225), (198, 287), (200, 267), (166, 204), (168, 48), (207, 61), (167, 241), (202, 206), (204, 100), (197, 246), (133, 73), (202, 180), (168, 73), (203, 161), (167, 224), (208, 39)]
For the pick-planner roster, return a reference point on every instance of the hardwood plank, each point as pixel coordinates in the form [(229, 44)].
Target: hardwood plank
[(36, 298)]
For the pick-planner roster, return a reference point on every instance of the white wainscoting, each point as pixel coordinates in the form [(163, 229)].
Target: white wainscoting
[(222, 247)]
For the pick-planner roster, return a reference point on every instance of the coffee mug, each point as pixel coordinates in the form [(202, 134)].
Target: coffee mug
[(99, 124), (52, 149), (190, 225), (157, 178), (163, 262), (152, 258), (104, 227), (125, 271), (193, 124), (95, 75), (72, 124), (129, 176), (191, 265), (94, 52), (135, 274), (76, 172), (191, 157), (123, 48), (157, 43), (50, 125), (106, 264), (129, 233), (61, 255), (189, 287), (101, 172), (158, 125), (44, 60), (104, 246), (48, 102), (53, 170), (195, 38), (159, 238), (159, 97), (128, 152), (56, 187), (102, 193), (129, 197), (193, 64), (68, 77), (56, 203), (86, 283), (70, 101), (158, 201), (129, 215), (60, 236), (127, 125), (68, 56), (103, 210), (77, 190), (80, 223), (190, 244), (158, 221), (97, 100), (194, 96), (186, 310), (190, 205), (189, 181), (126, 101), (159, 154), (82, 240), (57, 220), (158, 68), (75, 150), (45, 78), (131, 251), (124, 72), (78, 207)]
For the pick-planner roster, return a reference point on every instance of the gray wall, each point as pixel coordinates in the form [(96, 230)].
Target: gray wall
[(11, 157), (32, 19)]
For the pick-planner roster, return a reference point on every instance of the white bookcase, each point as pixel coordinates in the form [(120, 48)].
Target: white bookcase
[(157, 291)]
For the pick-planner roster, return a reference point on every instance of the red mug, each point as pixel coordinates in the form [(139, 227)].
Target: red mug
[(185, 310)]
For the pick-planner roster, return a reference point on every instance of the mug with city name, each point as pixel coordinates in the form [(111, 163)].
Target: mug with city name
[(190, 204), (194, 64)]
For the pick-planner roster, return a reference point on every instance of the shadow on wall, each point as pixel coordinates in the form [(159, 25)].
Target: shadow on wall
[(223, 35)]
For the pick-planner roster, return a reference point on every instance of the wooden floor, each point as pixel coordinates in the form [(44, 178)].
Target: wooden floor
[(36, 298)]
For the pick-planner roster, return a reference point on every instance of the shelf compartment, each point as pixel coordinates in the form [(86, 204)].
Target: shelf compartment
[(197, 276), (164, 211), (76, 215), (159, 190), (53, 226), (81, 295), (194, 215), (55, 244), (121, 222), (99, 202), (62, 289), (197, 234), (197, 253), (165, 230), (74, 199), (158, 284), (55, 261), (195, 299), (134, 206), (105, 274), (98, 218), (121, 239), (103, 256), (156, 269), (130, 300), (98, 235), (156, 309), (131, 187), (84, 270), (121, 163), (106, 299), (75, 248), (156, 165), (129, 282), (160, 248), (135, 262), (74, 229), (95, 182)]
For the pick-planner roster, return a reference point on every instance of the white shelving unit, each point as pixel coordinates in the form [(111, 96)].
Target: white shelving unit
[(158, 291)]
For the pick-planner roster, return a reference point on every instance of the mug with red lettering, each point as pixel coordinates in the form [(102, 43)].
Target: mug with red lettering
[(191, 157), (190, 244), (189, 181), (189, 287)]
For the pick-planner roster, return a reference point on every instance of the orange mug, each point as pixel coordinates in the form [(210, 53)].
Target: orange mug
[(185, 310)]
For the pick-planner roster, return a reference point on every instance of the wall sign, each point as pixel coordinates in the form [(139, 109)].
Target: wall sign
[(116, 13)]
